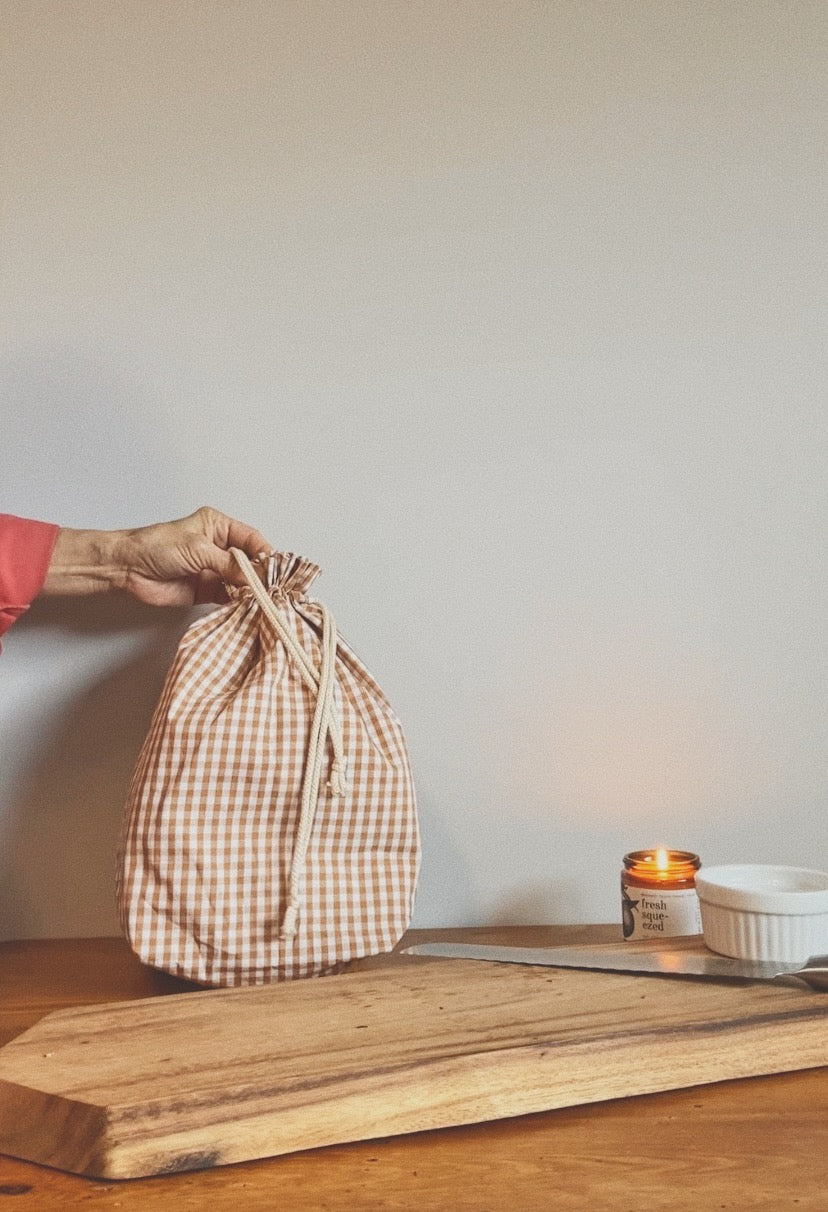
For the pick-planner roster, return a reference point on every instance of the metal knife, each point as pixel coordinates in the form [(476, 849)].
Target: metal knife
[(661, 961)]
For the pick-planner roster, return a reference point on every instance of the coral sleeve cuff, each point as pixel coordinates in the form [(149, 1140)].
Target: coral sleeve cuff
[(26, 548)]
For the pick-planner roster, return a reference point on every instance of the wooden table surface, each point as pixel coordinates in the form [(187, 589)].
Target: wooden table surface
[(759, 1143)]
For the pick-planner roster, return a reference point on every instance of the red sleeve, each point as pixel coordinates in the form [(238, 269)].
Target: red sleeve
[(25, 551)]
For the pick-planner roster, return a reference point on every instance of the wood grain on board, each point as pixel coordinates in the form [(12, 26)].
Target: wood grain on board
[(166, 1084)]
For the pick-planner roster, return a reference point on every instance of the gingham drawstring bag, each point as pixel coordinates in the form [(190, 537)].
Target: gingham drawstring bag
[(271, 827)]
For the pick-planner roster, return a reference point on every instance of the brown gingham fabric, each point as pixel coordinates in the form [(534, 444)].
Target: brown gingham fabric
[(214, 806)]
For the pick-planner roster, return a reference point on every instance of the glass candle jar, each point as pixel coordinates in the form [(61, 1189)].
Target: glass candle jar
[(658, 894)]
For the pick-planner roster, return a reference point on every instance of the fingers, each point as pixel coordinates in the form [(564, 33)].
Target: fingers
[(219, 568), (227, 532), (248, 540)]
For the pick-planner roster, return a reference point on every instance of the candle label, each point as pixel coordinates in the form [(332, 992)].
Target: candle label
[(659, 912)]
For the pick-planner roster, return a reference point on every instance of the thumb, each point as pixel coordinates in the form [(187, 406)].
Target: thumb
[(229, 566), (220, 570)]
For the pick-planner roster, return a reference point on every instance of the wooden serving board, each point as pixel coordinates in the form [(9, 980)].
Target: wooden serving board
[(201, 1079)]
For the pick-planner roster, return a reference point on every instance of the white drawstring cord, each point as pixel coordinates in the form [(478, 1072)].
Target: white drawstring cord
[(322, 726), (303, 661)]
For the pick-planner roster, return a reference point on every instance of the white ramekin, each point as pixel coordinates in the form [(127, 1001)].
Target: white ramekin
[(762, 912)]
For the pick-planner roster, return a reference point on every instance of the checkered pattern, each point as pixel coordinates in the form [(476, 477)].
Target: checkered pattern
[(214, 806)]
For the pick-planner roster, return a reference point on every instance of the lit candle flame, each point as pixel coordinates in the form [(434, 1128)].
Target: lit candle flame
[(662, 858)]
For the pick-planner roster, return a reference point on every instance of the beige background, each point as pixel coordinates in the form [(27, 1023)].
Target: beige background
[(513, 317)]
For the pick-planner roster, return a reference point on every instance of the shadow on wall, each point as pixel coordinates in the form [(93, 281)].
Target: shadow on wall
[(539, 902), (80, 448), (64, 815), (443, 865)]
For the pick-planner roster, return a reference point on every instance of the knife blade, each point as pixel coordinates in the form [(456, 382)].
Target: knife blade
[(660, 961)]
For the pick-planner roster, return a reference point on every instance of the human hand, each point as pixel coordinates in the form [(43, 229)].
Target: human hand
[(178, 563)]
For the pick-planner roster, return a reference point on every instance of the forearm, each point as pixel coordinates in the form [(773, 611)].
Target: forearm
[(87, 561)]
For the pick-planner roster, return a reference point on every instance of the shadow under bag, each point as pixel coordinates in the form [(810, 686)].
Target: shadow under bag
[(271, 828)]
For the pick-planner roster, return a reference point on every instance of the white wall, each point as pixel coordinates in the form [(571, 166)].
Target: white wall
[(512, 316)]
